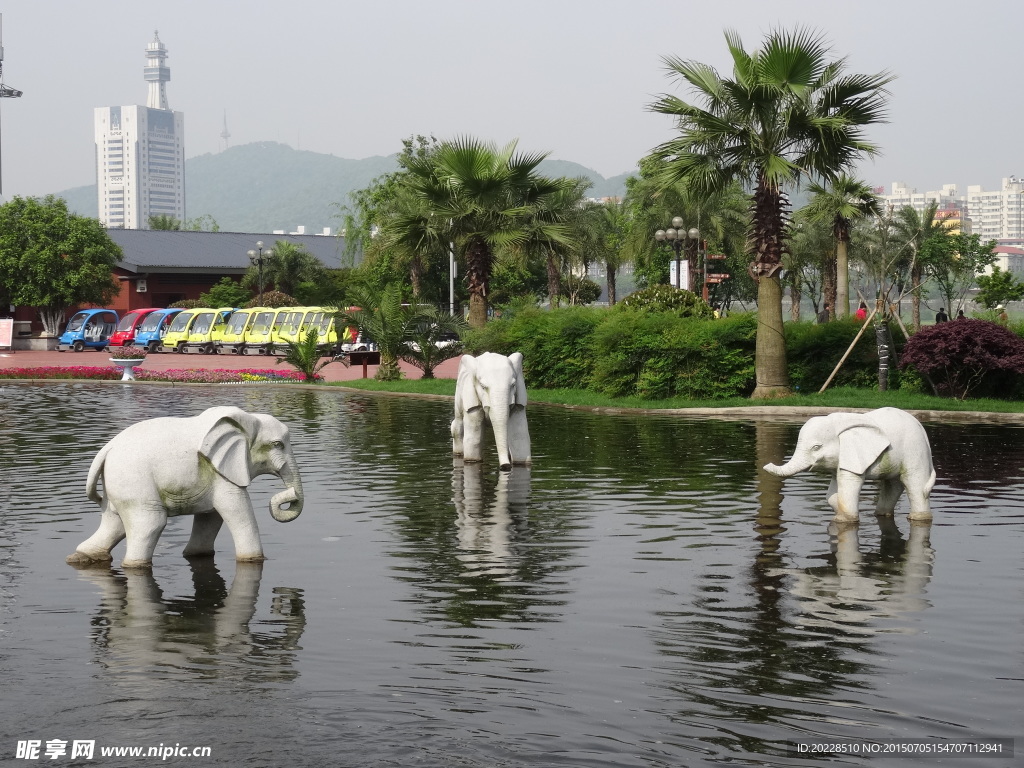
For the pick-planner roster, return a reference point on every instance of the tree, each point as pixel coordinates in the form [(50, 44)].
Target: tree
[(305, 356), (927, 239), (164, 221), (838, 204), (810, 249), (432, 341), (381, 316), (787, 113), (52, 259), (289, 270), (956, 273), (487, 196), (226, 293), (998, 288)]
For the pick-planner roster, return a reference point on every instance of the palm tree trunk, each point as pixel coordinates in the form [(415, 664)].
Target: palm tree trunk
[(915, 295), (770, 370), (478, 276), (795, 296), (610, 273), (842, 297), (829, 287), (416, 275), (554, 280)]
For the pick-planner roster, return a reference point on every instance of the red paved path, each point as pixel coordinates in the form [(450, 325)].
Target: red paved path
[(166, 361)]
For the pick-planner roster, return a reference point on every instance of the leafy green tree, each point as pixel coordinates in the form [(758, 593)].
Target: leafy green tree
[(787, 112), (957, 271), (838, 204), (164, 221), (487, 196), (998, 288), (204, 223), (810, 250), (52, 259), (226, 293), (431, 341)]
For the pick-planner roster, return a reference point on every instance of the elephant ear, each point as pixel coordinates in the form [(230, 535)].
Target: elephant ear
[(227, 449), (466, 383), (516, 358), (860, 446)]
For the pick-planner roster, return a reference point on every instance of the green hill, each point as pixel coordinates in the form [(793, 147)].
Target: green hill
[(266, 186)]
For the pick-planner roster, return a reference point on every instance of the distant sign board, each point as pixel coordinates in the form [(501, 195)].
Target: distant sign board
[(719, 276), (679, 281), (716, 255), (7, 332)]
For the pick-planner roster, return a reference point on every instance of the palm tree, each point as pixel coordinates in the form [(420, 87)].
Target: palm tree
[(432, 340), (787, 113), (916, 229), (839, 204), (380, 315), (291, 266), (305, 356), (486, 195)]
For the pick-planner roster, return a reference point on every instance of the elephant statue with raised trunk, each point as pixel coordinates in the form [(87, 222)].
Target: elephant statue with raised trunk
[(888, 445), (202, 466), (490, 388)]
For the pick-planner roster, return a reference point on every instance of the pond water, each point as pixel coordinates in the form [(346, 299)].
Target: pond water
[(643, 596)]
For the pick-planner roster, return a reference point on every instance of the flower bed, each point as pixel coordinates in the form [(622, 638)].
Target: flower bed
[(192, 376)]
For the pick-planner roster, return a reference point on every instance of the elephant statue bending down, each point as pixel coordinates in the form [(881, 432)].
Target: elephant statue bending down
[(888, 445), (199, 466), (491, 387)]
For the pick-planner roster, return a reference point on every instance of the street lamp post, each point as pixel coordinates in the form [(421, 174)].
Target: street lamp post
[(259, 257), (679, 238)]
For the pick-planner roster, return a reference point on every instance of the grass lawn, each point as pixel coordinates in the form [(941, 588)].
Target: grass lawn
[(833, 398)]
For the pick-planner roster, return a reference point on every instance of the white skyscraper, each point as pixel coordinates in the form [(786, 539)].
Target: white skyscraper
[(140, 153)]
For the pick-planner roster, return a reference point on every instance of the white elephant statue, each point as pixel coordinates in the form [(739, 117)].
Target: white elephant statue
[(490, 388), (888, 445), (199, 466)]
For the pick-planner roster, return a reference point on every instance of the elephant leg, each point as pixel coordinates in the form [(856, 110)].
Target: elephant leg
[(519, 436), (889, 492), (832, 495), (847, 496), (233, 506), (457, 435), (205, 528), (472, 435), (143, 526), (96, 549), (917, 494)]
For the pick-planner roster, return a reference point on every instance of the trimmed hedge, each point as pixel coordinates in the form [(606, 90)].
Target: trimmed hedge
[(656, 355)]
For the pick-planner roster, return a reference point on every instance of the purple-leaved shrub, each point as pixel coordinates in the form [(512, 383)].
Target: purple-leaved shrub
[(967, 358)]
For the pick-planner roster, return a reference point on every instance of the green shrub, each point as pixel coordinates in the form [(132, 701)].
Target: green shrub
[(813, 351), (666, 298)]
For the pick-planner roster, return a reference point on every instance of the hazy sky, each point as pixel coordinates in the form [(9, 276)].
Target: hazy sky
[(572, 77)]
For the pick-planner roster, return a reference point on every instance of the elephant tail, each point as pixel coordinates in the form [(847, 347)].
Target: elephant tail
[(95, 473)]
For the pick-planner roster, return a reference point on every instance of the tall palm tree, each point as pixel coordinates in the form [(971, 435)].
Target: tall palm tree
[(916, 229), (787, 113), (486, 195), (839, 204), (380, 315)]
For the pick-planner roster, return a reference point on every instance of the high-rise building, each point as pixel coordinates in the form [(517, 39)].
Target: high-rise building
[(140, 153), (998, 214)]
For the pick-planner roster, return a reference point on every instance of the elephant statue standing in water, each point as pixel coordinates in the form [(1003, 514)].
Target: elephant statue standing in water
[(491, 388), (888, 445), (202, 466)]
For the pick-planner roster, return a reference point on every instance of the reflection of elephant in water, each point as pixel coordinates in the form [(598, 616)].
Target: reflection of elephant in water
[(485, 531), (491, 388), (889, 445), (140, 630), (199, 466), (859, 588)]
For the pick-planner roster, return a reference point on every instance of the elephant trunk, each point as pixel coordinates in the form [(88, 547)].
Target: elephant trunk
[(292, 495), (499, 424), (795, 465)]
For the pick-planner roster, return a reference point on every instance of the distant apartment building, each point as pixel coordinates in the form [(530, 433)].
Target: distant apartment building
[(998, 215), (140, 153), (949, 207)]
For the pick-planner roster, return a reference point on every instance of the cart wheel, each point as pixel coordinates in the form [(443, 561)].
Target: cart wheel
[(209, 349), (180, 348), (78, 346), (154, 346)]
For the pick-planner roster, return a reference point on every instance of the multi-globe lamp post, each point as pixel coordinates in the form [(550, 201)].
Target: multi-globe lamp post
[(259, 257), (677, 237)]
